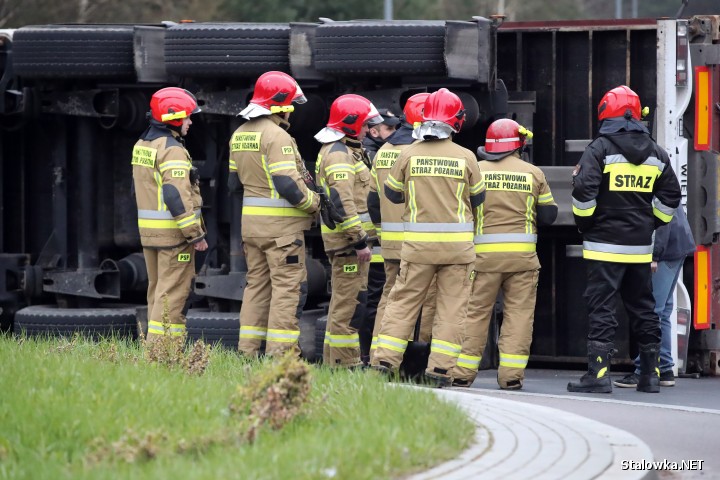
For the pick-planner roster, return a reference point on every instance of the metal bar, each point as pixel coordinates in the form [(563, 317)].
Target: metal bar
[(87, 241), (388, 14), (59, 188), (618, 8)]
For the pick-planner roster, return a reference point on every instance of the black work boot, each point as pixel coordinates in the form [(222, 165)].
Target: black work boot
[(649, 380), (597, 378)]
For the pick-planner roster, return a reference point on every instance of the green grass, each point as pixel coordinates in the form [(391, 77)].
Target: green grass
[(57, 398)]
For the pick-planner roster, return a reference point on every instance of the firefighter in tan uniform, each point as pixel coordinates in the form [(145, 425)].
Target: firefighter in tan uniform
[(277, 208), (387, 216), (169, 218), (440, 184), (342, 172), (518, 199)]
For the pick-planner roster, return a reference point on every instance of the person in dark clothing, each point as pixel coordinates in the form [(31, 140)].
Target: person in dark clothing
[(673, 243), (376, 137), (378, 134), (624, 188)]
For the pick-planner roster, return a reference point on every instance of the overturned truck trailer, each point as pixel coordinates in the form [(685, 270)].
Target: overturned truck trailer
[(74, 99)]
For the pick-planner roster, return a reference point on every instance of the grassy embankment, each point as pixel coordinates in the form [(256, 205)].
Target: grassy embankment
[(78, 409)]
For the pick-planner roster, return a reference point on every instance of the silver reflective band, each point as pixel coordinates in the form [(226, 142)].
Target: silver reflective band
[(438, 227), (653, 161), (393, 227), (342, 341), (502, 140), (662, 207), (617, 158), (584, 205), (266, 202), (155, 215), (610, 248), (377, 250), (505, 238), (291, 336), (364, 217)]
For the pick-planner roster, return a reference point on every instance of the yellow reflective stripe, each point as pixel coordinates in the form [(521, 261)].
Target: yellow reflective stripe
[(513, 361), (153, 223), (480, 214), (342, 341), (602, 372), (505, 247), (469, 361), (277, 166), (393, 236), (662, 216), (394, 184), (250, 331), (461, 204), (176, 164), (392, 343), (233, 166), (412, 203), (282, 336), (158, 328), (445, 348), (339, 168), (627, 177), (618, 257), (374, 346), (308, 201), (274, 211), (437, 236), (359, 167), (529, 210), (173, 116), (477, 188), (583, 212), (546, 198), (350, 222), (368, 226), (273, 193), (187, 221)]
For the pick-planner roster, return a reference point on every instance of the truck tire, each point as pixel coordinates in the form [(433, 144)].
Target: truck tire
[(221, 328), (375, 47), (95, 323), (320, 327), (307, 342), (74, 51), (227, 49)]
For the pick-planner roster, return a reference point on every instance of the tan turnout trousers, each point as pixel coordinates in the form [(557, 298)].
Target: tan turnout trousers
[(519, 294), (275, 294), (404, 303), (349, 280), (170, 274), (427, 311)]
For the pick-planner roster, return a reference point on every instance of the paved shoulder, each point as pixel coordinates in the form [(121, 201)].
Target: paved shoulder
[(518, 440)]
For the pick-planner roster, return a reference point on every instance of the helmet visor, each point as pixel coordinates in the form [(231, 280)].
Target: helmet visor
[(299, 97), (374, 117)]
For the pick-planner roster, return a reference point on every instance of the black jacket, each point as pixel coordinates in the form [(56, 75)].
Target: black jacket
[(624, 188)]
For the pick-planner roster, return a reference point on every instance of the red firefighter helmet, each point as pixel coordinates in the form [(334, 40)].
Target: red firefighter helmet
[(444, 106), (504, 136), (277, 91), (414, 106), (349, 112), (170, 105), (619, 101)]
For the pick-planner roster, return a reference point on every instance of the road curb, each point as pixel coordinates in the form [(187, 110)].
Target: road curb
[(518, 440)]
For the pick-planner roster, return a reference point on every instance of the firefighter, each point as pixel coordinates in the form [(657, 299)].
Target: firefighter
[(388, 216), (277, 208), (378, 134), (440, 184), (375, 138), (518, 199), (342, 171), (169, 219), (624, 188)]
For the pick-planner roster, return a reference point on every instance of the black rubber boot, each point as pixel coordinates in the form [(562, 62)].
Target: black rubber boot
[(597, 378), (649, 380)]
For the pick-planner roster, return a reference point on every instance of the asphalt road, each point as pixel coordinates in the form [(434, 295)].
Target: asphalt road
[(679, 423)]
